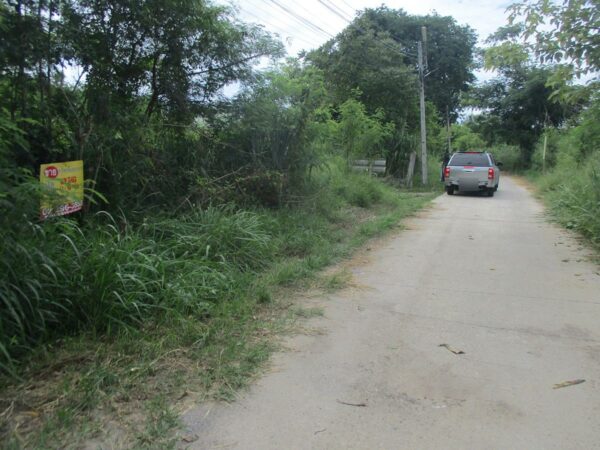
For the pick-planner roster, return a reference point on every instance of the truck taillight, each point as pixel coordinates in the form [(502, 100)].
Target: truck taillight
[(447, 172), (490, 174)]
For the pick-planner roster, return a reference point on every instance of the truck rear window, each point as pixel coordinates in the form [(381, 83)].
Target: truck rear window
[(470, 159)]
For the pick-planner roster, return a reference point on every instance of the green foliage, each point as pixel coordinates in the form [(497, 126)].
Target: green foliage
[(544, 160), (572, 36), (554, 123), (572, 183), (116, 276), (368, 59), (59, 279), (574, 196), (509, 155), (360, 191), (375, 51), (374, 60), (518, 108), (506, 56), (361, 135), (272, 124), (464, 139), (139, 115), (172, 49)]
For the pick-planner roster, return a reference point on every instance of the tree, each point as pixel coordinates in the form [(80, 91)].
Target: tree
[(518, 108), (28, 55), (368, 61), (519, 103), (465, 139), (383, 39), (562, 33), (361, 135), (448, 50), (376, 55), (269, 125), (180, 53)]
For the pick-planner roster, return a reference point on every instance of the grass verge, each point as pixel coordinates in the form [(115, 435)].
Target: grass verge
[(572, 195), (200, 300)]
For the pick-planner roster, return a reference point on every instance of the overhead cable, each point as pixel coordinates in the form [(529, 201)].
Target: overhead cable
[(352, 24), (280, 30), (300, 18), (306, 32)]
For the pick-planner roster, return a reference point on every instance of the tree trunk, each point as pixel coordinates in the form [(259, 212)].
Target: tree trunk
[(154, 86)]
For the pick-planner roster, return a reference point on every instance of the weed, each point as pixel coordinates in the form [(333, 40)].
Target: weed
[(169, 304), (336, 281), (572, 192), (162, 420)]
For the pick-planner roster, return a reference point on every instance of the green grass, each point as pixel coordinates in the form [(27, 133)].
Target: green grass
[(131, 318), (572, 194)]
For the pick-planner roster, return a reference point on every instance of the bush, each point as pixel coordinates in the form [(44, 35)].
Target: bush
[(509, 156), (575, 198), (360, 190), (572, 186), (58, 278), (111, 275), (553, 144)]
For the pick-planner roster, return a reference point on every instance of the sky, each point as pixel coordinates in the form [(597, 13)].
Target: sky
[(307, 24)]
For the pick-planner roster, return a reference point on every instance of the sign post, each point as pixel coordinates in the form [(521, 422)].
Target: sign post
[(63, 184)]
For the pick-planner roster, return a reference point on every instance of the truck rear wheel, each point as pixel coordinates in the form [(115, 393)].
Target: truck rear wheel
[(450, 190)]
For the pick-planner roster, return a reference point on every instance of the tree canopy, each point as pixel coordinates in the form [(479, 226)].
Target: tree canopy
[(377, 53), (564, 32)]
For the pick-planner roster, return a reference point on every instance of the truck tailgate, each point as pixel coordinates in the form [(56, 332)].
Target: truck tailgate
[(468, 177)]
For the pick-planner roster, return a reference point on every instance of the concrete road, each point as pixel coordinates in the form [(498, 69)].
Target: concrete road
[(487, 276)]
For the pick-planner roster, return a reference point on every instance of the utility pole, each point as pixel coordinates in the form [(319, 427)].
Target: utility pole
[(422, 104), (448, 135), (545, 143)]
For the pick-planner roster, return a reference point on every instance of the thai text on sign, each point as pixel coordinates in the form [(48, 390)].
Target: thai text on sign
[(63, 186)]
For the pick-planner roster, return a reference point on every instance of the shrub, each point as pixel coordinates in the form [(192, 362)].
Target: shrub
[(553, 140), (509, 156), (573, 184), (58, 278), (574, 193)]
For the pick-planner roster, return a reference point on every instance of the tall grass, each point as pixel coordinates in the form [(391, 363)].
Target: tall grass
[(127, 312), (571, 183), (573, 193), (111, 276), (58, 278)]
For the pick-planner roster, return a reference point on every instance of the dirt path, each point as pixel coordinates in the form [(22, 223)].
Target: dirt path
[(487, 276)]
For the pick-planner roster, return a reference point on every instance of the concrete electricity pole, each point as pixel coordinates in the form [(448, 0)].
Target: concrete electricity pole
[(448, 134), (422, 104)]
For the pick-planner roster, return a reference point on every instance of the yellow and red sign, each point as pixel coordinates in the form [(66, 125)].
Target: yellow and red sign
[(63, 185)]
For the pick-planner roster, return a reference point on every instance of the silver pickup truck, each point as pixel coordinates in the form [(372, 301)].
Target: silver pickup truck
[(472, 172)]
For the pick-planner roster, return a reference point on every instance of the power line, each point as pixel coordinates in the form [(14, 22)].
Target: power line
[(349, 6), (305, 10), (300, 18), (337, 11), (284, 33), (352, 24), (285, 27)]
